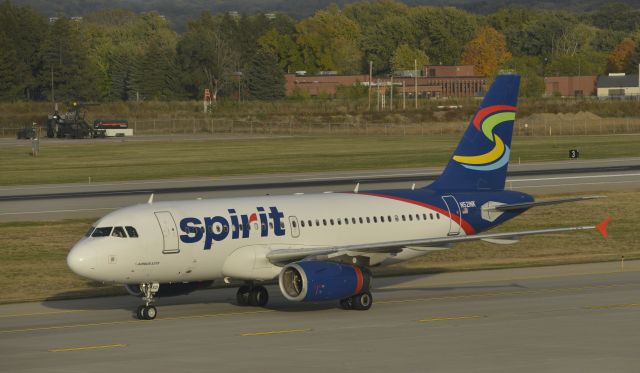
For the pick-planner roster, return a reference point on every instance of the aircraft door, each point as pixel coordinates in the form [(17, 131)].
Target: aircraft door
[(295, 226), (169, 232), (454, 211)]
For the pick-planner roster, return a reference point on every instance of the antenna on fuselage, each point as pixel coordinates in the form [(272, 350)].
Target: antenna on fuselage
[(413, 186), (150, 201), (355, 190)]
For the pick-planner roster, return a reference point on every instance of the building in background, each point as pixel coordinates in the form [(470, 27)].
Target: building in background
[(315, 85), (566, 86), (618, 85)]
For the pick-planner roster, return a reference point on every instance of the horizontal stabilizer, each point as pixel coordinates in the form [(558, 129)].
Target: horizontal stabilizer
[(527, 205)]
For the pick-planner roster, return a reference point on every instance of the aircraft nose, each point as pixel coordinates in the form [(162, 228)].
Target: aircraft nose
[(80, 261)]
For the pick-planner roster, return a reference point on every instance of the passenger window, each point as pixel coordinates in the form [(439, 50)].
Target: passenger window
[(339, 221), (397, 218), (225, 228), (331, 221), (324, 222), (353, 220), (131, 231), (410, 217), (318, 222), (417, 216), (310, 223), (424, 216), (404, 218), (282, 225), (302, 223), (293, 223), (119, 232), (431, 216), (240, 227), (102, 232), (360, 220), (346, 221), (270, 225), (368, 220), (382, 219), (389, 218), (438, 215)]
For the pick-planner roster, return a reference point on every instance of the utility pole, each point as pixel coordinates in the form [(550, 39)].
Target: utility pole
[(404, 96), (378, 97), (391, 106), (415, 72), (370, 75), (53, 93)]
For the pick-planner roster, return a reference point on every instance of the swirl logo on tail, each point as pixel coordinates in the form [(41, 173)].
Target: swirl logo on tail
[(485, 121)]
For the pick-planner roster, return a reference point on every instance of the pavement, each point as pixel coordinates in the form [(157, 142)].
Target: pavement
[(93, 200), (573, 318)]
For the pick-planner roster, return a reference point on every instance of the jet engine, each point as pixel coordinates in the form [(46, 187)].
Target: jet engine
[(170, 289), (309, 281)]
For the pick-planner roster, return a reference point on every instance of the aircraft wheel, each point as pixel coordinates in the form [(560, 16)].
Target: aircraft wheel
[(259, 296), (346, 303), (362, 301), (242, 296), (150, 312), (140, 312)]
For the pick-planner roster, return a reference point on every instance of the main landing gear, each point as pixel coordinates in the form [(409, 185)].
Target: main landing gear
[(360, 302), (252, 295), (148, 311)]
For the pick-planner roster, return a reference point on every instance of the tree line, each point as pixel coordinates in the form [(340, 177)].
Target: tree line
[(119, 55)]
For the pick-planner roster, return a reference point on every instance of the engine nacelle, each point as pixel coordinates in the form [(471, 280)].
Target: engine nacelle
[(170, 289), (310, 281)]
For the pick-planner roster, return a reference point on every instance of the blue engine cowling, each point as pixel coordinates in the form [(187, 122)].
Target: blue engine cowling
[(310, 281)]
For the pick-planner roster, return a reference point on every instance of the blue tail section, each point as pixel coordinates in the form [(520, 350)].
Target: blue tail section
[(481, 158)]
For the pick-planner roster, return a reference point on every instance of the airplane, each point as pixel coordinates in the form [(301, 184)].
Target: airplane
[(319, 247)]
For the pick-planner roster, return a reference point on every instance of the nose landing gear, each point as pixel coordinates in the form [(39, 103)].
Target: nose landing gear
[(148, 311)]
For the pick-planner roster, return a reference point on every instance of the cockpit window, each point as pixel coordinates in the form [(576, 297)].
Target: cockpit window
[(119, 232), (132, 232), (102, 232), (88, 234)]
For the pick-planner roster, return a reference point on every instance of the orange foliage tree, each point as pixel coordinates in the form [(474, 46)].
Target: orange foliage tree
[(620, 58), (486, 52)]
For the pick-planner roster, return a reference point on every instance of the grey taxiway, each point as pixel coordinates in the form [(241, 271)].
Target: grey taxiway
[(575, 318)]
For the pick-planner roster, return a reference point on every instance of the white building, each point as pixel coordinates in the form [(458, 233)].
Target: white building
[(618, 85)]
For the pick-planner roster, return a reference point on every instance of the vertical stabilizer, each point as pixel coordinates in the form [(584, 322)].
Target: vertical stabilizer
[(481, 158)]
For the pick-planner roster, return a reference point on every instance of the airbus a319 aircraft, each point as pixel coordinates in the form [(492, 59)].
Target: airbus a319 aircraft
[(319, 246)]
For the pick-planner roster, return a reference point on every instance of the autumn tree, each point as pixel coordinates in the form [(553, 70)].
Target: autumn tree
[(620, 58), (486, 52), (405, 58)]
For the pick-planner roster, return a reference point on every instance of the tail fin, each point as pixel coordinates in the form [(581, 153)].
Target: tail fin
[(481, 158)]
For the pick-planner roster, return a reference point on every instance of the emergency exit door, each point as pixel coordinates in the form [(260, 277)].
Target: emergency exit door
[(169, 232), (454, 212)]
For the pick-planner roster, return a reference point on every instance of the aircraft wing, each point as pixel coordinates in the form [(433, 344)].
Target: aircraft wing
[(280, 256)]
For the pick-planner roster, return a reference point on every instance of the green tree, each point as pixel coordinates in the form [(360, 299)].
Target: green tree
[(12, 71), (585, 63), (285, 48), (67, 64), (530, 70), (405, 57), (265, 79), (329, 41)]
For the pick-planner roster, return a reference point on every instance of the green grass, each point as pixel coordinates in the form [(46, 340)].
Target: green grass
[(70, 162), (33, 254)]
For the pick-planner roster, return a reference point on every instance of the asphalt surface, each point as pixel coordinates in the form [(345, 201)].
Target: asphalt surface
[(93, 200), (577, 318)]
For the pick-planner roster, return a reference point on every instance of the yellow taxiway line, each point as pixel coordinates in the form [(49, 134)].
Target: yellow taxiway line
[(450, 318), (253, 334), (86, 348)]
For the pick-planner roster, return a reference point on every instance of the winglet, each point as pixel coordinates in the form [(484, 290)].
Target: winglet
[(355, 190), (150, 201), (602, 227)]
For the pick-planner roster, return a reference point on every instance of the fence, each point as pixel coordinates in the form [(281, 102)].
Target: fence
[(309, 128)]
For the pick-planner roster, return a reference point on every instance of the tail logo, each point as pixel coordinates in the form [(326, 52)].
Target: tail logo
[(485, 121)]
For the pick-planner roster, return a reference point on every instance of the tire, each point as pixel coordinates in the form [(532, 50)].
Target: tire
[(242, 296), (258, 296), (140, 313), (150, 313), (346, 303), (362, 301)]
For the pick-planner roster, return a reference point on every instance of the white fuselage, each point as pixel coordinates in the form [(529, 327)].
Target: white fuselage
[(173, 245)]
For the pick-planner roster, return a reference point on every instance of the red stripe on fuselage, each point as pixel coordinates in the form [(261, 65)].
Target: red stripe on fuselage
[(468, 228), (483, 113), (360, 280)]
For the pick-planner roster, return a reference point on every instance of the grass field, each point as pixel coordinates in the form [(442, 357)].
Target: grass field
[(70, 162), (33, 254)]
